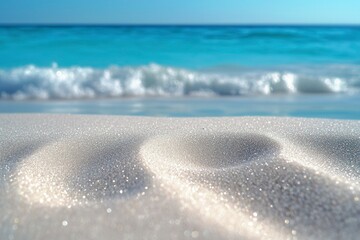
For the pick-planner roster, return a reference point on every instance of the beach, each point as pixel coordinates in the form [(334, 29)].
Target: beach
[(112, 177), (179, 131)]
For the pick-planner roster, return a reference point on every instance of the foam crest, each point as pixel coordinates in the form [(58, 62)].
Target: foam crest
[(32, 82)]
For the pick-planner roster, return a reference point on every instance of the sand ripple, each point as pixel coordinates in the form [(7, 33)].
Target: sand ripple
[(80, 171), (132, 178), (224, 150)]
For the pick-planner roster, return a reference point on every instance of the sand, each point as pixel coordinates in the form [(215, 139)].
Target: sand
[(102, 177)]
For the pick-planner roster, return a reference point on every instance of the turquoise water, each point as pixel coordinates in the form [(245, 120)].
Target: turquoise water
[(181, 70), (187, 47)]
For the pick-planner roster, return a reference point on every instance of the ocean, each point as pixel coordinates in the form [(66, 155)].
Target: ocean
[(181, 71)]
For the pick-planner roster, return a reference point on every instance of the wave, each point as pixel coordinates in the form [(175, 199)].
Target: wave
[(33, 82)]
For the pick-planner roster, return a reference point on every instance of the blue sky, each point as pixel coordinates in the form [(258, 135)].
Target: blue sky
[(181, 11)]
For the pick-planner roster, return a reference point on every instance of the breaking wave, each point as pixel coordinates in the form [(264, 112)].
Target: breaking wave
[(32, 82)]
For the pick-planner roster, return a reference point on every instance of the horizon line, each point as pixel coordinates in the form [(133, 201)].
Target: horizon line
[(187, 24)]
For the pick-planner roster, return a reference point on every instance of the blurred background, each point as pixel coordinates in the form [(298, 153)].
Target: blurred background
[(182, 59)]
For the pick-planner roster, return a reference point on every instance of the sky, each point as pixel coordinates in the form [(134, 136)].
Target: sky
[(181, 11)]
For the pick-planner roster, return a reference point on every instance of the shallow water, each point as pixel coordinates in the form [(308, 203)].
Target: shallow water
[(314, 106)]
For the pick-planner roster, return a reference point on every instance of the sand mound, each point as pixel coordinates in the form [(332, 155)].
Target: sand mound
[(205, 151), (82, 177)]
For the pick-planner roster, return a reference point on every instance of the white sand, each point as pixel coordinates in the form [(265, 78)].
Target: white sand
[(97, 177)]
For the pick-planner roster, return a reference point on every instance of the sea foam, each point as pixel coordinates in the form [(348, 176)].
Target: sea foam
[(33, 82)]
